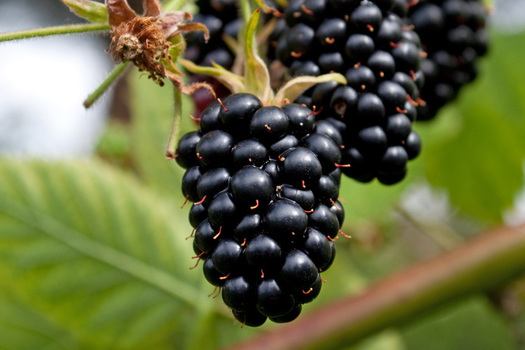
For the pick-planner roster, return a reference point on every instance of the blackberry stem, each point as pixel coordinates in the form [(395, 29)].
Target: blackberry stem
[(175, 129), (245, 10), (58, 30), (102, 88)]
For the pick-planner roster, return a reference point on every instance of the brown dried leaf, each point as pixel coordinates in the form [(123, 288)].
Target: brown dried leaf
[(119, 11), (171, 24), (189, 89), (152, 8)]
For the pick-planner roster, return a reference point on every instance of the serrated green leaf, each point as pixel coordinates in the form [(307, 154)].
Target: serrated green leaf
[(480, 162), (101, 255), (90, 10), (481, 168)]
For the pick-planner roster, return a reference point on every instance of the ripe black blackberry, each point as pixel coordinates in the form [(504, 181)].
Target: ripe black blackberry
[(264, 179), (221, 18), (265, 232), (381, 59), (453, 33)]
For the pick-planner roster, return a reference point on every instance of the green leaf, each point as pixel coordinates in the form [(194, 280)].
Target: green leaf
[(231, 81), (471, 324), (24, 328), (257, 77), (90, 10), (388, 339), (480, 159), (93, 250)]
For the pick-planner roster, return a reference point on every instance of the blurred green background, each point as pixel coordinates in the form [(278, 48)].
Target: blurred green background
[(94, 255)]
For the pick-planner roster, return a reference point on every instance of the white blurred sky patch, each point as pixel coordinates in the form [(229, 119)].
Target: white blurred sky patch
[(43, 82), (508, 15)]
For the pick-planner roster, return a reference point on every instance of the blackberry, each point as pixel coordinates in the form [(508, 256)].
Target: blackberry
[(263, 252), (251, 187), (381, 59), (453, 33), (318, 247), (264, 174), (299, 270), (221, 18), (265, 208), (273, 299), (288, 317), (239, 293), (251, 318)]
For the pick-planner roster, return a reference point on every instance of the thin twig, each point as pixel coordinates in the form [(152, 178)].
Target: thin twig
[(102, 88), (175, 130), (245, 10)]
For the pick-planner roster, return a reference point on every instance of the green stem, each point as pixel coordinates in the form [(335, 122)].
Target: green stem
[(482, 265), (59, 30), (246, 10), (114, 75), (175, 130)]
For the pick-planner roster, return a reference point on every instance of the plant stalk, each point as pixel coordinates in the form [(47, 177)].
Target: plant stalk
[(59, 30), (106, 84), (175, 130), (246, 10), (481, 265)]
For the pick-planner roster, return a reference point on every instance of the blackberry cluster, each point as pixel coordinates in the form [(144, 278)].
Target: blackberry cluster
[(381, 59), (264, 182), (453, 34)]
